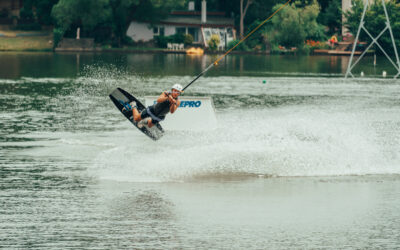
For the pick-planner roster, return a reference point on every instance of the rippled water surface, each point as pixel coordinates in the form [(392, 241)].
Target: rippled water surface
[(298, 162)]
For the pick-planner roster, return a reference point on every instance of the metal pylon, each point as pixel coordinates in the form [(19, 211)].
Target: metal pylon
[(350, 66)]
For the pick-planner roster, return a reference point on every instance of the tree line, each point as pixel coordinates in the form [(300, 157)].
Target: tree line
[(108, 20)]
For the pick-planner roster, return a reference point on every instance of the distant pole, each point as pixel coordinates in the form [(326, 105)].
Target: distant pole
[(78, 33)]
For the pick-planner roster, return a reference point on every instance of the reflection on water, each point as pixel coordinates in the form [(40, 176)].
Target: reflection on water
[(47, 64)]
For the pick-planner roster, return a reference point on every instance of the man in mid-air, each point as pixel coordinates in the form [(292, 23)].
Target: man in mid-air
[(166, 102)]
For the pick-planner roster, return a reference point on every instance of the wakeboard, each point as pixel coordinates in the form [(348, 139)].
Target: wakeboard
[(121, 99)]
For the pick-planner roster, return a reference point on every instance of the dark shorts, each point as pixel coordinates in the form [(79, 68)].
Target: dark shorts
[(145, 114)]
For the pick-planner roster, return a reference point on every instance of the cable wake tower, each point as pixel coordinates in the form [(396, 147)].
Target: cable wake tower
[(350, 66)]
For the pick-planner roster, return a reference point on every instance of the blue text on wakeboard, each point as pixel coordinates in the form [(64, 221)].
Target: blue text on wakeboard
[(188, 104)]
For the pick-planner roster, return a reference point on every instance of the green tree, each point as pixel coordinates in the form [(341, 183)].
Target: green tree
[(293, 25), (214, 41), (121, 12), (37, 11), (243, 11), (80, 13), (256, 38), (26, 12), (43, 10), (308, 18), (332, 17), (240, 47), (188, 39), (287, 29)]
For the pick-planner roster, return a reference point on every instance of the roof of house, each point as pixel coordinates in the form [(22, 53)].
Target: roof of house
[(211, 21), (197, 13), (193, 18)]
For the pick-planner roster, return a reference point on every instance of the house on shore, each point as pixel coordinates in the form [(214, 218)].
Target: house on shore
[(200, 24)]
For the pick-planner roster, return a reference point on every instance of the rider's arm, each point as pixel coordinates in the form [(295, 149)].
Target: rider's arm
[(174, 106), (162, 98)]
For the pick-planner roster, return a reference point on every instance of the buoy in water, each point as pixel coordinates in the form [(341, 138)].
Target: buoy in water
[(264, 82)]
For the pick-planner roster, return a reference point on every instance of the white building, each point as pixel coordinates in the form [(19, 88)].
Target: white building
[(200, 24)]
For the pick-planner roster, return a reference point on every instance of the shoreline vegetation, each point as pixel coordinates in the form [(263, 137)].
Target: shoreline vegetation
[(304, 27), (42, 41), (26, 41), (45, 44), (19, 41), (39, 45)]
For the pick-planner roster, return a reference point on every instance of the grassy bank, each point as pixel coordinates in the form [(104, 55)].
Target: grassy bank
[(11, 41), (129, 48)]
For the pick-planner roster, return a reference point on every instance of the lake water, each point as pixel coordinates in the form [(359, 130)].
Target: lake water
[(307, 160), (43, 65)]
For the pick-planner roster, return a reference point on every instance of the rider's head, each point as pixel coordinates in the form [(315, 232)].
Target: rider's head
[(176, 90)]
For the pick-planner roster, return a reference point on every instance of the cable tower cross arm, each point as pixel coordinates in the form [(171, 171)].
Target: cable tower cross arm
[(361, 27)]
